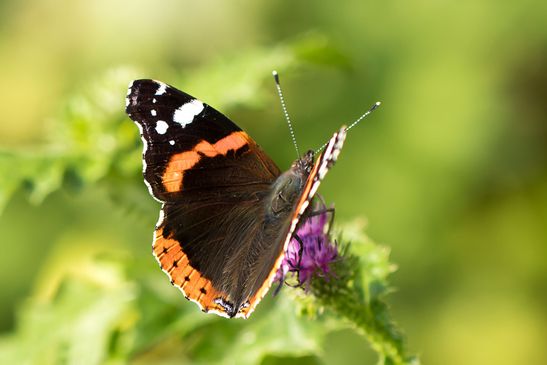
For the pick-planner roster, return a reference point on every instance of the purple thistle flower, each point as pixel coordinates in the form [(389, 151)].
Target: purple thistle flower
[(312, 253)]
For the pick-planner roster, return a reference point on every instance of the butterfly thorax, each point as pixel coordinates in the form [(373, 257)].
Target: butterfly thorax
[(287, 187)]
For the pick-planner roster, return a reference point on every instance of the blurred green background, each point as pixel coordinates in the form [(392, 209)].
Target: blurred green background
[(451, 171)]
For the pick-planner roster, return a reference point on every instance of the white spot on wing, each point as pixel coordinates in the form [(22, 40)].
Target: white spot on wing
[(161, 127), (161, 218), (304, 206), (154, 101), (129, 89), (335, 154), (186, 113), (322, 171), (161, 89), (314, 188), (172, 143), (153, 112)]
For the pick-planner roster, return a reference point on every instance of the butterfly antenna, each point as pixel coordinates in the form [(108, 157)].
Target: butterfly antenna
[(282, 100), (373, 108)]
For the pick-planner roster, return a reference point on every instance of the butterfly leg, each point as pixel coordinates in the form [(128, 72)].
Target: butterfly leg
[(300, 254), (324, 211), (300, 249), (276, 291), (293, 268)]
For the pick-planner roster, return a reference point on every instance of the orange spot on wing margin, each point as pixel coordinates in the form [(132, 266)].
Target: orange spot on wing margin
[(196, 288)]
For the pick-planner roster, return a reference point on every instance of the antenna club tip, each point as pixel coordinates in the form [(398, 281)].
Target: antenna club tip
[(276, 76), (378, 103)]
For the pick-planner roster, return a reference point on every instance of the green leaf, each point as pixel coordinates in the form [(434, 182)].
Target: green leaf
[(78, 315), (39, 173)]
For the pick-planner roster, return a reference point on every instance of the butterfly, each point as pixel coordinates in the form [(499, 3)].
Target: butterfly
[(228, 212)]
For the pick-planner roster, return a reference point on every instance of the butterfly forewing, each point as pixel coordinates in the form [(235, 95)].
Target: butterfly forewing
[(180, 133)]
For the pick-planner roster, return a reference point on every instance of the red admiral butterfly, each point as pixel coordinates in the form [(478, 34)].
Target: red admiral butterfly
[(228, 212)]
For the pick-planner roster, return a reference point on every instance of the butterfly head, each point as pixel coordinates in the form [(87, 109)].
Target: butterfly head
[(304, 163)]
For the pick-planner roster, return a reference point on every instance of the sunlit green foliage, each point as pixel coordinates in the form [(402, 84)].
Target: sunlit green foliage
[(451, 172)]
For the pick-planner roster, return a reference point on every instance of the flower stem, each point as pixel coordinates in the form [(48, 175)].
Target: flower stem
[(345, 298)]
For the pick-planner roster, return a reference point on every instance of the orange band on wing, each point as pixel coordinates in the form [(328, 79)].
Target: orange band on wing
[(172, 177), (175, 264)]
